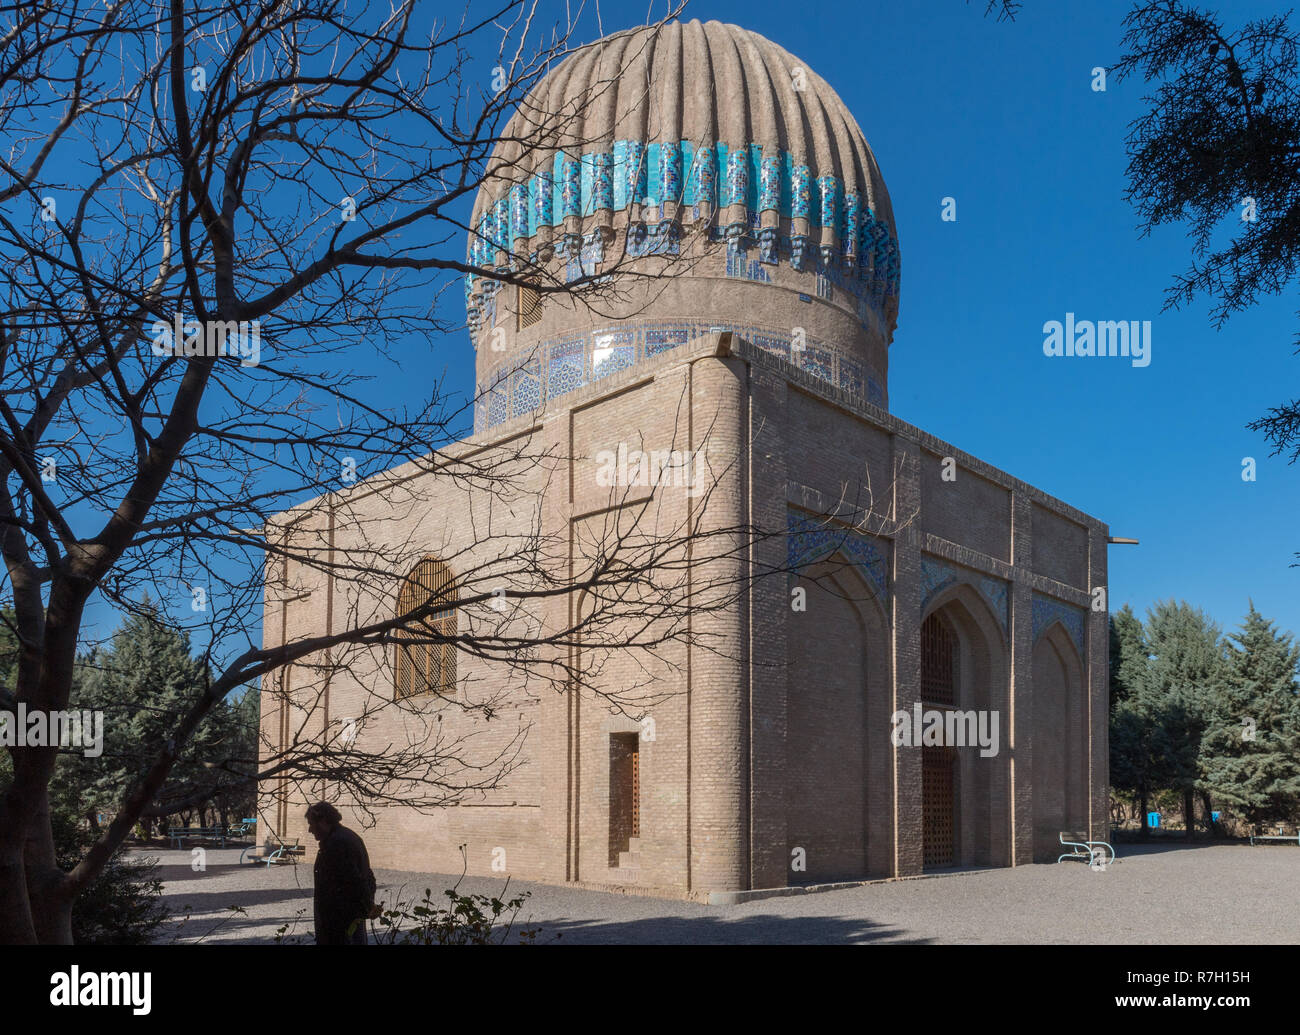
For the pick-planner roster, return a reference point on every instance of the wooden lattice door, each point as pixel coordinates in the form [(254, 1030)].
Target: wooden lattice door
[(938, 764), (636, 792)]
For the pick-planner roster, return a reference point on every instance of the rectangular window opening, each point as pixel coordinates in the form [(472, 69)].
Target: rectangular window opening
[(624, 797)]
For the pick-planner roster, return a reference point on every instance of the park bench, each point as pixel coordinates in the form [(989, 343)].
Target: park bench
[(283, 850), (217, 835), (1279, 836), (1081, 848)]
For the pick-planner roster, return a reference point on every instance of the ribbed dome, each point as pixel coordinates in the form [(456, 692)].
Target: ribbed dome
[(717, 163), (703, 82)]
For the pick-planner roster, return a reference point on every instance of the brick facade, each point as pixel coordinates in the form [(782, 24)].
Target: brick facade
[(771, 732)]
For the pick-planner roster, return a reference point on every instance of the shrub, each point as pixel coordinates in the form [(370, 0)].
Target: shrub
[(121, 906)]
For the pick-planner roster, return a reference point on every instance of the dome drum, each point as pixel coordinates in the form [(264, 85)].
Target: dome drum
[(704, 158)]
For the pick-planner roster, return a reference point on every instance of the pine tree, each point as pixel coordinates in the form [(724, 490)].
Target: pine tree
[(1175, 691), (146, 662), (1129, 654), (1250, 756), (1140, 749), (1135, 754), (1180, 686)]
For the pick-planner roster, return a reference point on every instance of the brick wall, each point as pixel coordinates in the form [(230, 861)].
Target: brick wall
[(743, 744)]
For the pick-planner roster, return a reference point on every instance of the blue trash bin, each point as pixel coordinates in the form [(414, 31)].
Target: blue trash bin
[(1153, 819)]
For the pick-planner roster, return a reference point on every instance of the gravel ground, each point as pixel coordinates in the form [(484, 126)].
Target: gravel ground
[(1153, 895)]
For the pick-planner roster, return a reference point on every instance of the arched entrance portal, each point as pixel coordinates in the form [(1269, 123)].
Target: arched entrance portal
[(965, 784), (839, 792), (1060, 755)]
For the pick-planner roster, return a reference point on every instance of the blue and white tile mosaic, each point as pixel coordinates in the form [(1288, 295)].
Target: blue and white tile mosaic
[(737, 177), (593, 253), (1048, 611), (542, 191), (602, 182), (997, 592), (670, 172), (702, 185), (567, 363), (937, 575), (566, 368), (614, 179), (809, 541), (525, 388), (801, 192), (519, 211), (769, 184), (659, 239), (612, 351)]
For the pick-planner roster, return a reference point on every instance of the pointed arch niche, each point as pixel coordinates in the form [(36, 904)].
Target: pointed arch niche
[(839, 784), (980, 675), (1060, 746)]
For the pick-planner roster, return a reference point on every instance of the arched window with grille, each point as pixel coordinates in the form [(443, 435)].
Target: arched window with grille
[(938, 662), (427, 664)]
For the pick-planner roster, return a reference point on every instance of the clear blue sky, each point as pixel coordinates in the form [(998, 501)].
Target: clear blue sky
[(1002, 117)]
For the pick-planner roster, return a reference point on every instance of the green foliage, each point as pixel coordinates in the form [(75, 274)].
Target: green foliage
[(1129, 654), (1166, 678), (466, 920), (1140, 748), (1221, 137), (1250, 755), (284, 934), (1182, 696), (9, 649), (144, 683), (123, 904)]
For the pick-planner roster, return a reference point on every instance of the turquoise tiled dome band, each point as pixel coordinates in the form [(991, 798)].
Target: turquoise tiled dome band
[(677, 172)]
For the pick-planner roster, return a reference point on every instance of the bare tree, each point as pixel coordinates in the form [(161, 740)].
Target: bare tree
[(294, 174), (1006, 10)]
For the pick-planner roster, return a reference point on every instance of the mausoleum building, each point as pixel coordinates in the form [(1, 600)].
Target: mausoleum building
[(905, 594)]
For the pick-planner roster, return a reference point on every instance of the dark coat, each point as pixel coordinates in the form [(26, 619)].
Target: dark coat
[(344, 888)]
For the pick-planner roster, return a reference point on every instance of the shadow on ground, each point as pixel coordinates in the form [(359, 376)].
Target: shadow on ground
[(764, 929)]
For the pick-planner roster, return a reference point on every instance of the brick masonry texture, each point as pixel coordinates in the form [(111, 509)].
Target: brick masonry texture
[(756, 343), (771, 733)]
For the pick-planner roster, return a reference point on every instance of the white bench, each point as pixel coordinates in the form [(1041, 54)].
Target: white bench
[(1081, 848), (1275, 837)]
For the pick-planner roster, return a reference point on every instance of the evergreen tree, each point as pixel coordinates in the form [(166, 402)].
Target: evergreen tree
[(1129, 654), (1140, 749), (1183, 680), (1250, 757), (143, 682)]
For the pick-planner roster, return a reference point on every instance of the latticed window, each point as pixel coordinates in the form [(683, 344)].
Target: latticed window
[(427, 664), (938, 670), (530, 306)]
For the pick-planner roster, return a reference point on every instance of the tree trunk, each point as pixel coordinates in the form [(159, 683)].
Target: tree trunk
[(1143, 809), (1189, 811), (16, 927), (47, 885), (1209, 813)]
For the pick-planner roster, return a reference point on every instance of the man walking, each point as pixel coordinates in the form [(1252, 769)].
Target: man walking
[(344, 882)]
